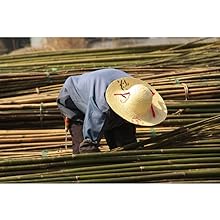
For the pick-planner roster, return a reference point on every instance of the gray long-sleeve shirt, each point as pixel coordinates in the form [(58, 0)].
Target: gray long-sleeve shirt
[(87, 92)]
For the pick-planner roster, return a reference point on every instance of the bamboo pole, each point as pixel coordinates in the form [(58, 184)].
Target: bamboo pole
[(187, 76)]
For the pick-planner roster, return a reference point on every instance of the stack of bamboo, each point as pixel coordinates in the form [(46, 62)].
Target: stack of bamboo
[(32, 139), (195, 91), (172, 163)]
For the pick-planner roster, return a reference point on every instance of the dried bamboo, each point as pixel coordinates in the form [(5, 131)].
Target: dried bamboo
[(32, 139)]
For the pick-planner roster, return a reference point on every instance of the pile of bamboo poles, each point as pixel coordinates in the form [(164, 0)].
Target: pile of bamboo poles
[(47, 116), (32, 138), (52, 142), (170, 163), (200, 130), (198, 164), (135, 166), (195, 94), (188, 55)]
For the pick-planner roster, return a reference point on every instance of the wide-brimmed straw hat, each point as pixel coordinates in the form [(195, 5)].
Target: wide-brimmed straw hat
[(136, 101)]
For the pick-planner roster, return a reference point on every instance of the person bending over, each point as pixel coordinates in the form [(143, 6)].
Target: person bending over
[(110, 103)]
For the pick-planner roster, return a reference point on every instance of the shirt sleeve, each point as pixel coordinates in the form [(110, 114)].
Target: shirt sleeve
[(61, 103), (65, 111)]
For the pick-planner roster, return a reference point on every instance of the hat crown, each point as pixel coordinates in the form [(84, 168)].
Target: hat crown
[(140, 99), (136, 101)]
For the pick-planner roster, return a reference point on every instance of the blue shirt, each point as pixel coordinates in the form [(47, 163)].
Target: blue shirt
[(87, 92)]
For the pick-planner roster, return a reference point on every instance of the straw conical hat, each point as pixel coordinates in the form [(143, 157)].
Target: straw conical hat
[(136, 101)]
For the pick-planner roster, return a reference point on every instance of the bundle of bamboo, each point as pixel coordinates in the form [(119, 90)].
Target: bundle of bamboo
[(195, 96), (172, 163), (190, 54), (187, 76)]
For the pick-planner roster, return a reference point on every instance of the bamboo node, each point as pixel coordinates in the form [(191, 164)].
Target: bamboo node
[(41, 112), (48, 76), (142, 168), (169, 162), (37, 90), (186, 89), (44, 153), (73, 155), (153, 132), (77, 178), (177, 81), (178, 112)]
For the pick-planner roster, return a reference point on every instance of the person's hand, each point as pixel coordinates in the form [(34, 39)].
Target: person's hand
[(67, 123)]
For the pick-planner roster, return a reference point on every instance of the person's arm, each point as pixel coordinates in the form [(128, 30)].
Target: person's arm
[(93, 123), (67, 115), (66, 112)]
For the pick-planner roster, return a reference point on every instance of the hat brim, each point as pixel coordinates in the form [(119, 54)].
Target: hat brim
[(150, 117)]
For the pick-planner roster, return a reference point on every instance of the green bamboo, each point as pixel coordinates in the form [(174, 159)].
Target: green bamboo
[(69, 173), (211, 172), (179, 72), (111, 166), (137, 177), (113, 154)]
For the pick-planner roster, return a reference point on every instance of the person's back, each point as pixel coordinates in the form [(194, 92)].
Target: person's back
[(90, 87)]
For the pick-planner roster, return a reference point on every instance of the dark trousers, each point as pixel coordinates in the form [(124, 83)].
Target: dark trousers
[(116, 137), (77, 136), (76, 125), (120, 136), (124, 133)]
